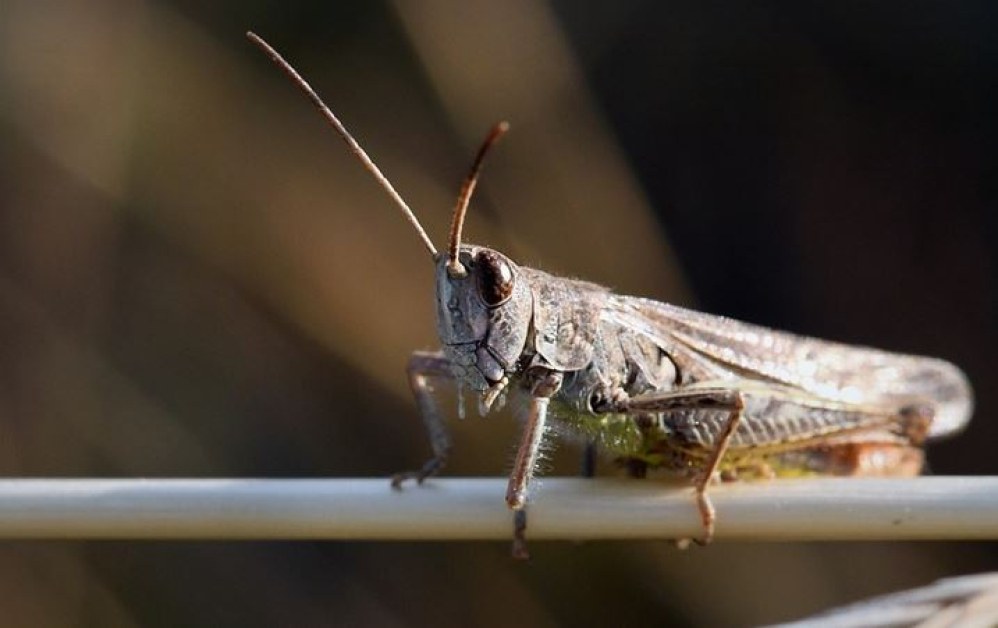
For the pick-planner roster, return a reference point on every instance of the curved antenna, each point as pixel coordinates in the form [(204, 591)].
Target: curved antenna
[(454, 268), (338, 126)]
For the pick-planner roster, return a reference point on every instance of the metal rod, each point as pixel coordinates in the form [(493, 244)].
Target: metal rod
[(463, 509)]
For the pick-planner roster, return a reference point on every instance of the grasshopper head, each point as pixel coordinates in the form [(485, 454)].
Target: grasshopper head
[(483, 316)]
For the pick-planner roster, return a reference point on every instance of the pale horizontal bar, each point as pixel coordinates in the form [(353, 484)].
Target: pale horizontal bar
[(463, 509)]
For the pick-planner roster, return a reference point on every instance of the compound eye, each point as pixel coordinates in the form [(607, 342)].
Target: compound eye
[(495, 278)]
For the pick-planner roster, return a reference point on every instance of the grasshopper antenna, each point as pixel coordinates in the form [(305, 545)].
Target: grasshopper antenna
[(342, 131), (454, 268)]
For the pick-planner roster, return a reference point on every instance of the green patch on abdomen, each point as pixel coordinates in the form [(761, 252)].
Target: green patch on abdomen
[(616, 434)]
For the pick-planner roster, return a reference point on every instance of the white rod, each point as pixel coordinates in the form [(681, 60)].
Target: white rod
[(462, 508)]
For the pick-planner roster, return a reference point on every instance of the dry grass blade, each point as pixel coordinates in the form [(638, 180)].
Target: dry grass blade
[(965, 601)]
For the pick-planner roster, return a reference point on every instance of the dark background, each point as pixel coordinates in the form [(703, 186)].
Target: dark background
[(197, 280)]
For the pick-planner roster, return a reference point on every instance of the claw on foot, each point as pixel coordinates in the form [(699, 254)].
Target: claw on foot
[(520, 551), (707, 516), (431, 468), (399, 478)]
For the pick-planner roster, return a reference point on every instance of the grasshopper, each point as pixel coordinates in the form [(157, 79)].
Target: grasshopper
[(658, 386)]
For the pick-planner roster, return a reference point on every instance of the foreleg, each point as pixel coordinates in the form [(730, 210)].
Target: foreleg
[(423, 366)]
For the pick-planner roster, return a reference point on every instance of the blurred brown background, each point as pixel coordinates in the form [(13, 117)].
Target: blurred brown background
[(196, 279)]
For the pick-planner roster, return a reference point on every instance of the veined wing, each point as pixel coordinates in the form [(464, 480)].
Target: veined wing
[(825, 369)]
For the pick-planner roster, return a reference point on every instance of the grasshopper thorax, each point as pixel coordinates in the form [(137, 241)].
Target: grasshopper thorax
[(483, 316)]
